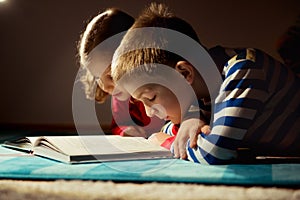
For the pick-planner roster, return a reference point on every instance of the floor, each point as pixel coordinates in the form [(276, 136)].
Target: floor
[(77, 190)]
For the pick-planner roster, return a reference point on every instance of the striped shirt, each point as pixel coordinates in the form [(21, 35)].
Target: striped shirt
[(257, 107)]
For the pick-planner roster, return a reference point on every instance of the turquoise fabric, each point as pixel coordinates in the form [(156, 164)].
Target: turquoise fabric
[(16, 165)]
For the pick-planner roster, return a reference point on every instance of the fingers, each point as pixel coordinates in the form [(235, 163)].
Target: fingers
[(158, 138), (189, 129), (176, 149), (193, 140), (134, 132), (153, 138), (180, 149), (205, 129), (180, 145)]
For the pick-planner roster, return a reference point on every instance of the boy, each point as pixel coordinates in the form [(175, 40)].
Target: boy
[(250, 107)]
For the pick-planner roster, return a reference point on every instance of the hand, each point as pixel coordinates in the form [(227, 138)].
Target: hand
[(135, 131), (158, 138), (205, 129), (189, 129)]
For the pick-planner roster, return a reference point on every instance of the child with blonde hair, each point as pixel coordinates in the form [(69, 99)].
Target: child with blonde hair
[(256, 107), (96, 78)]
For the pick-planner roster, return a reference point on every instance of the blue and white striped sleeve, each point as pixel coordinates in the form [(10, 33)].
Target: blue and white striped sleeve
[(168, 128), (241, 96)]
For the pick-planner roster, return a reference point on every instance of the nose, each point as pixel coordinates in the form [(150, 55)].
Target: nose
[(106, 83), (150, 111), (156, 110), (108, 88)]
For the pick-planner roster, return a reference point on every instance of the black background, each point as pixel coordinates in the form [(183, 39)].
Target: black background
[(38, 45)]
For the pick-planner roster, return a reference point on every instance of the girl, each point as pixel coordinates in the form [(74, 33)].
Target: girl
[(98, 86)]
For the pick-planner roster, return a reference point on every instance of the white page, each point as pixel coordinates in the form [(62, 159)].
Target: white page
[(99, 144)]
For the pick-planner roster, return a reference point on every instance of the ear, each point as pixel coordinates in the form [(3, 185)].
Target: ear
[(186, 70)]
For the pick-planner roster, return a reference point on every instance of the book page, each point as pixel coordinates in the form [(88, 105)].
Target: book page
[(69, 145), (25, 143), (134, 144), (100, 144)]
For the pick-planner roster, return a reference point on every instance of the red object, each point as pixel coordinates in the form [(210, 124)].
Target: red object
[(168, 142), (132, 113)]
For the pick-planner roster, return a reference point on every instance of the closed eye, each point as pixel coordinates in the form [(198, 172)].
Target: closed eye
[(153, 98)]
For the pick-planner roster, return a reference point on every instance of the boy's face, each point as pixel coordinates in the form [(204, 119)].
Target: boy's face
[(159, 101)]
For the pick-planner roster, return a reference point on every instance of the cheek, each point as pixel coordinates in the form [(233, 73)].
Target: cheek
[(109, 81), (120, 94), (172, 99), (171, 103), (174, 108)]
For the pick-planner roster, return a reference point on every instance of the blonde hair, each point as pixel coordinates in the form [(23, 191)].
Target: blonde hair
[(102, 26), (91, 88), (156, 15)]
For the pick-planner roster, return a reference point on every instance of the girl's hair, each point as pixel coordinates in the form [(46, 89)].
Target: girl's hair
[(102, 26), (156, 15)]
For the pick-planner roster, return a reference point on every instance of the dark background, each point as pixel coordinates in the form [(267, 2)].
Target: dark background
[(38, 45)]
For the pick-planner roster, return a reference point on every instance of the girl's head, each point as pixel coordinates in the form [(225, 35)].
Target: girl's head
[(104, 25)]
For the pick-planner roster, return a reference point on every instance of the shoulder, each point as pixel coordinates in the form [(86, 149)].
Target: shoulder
[(248, 59), (244, 54)]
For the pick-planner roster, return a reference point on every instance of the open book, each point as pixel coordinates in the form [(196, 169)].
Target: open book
[(89, 148)]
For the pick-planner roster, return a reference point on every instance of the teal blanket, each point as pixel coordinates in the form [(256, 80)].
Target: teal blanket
[(16, 165)]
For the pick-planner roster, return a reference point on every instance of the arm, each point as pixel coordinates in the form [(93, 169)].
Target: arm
[(189, 129), (160, 138), (241, 95)]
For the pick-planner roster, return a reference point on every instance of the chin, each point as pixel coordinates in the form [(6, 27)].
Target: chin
[(121, 96)]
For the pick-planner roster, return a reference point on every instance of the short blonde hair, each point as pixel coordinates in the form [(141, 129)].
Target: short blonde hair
[(156, 15)]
